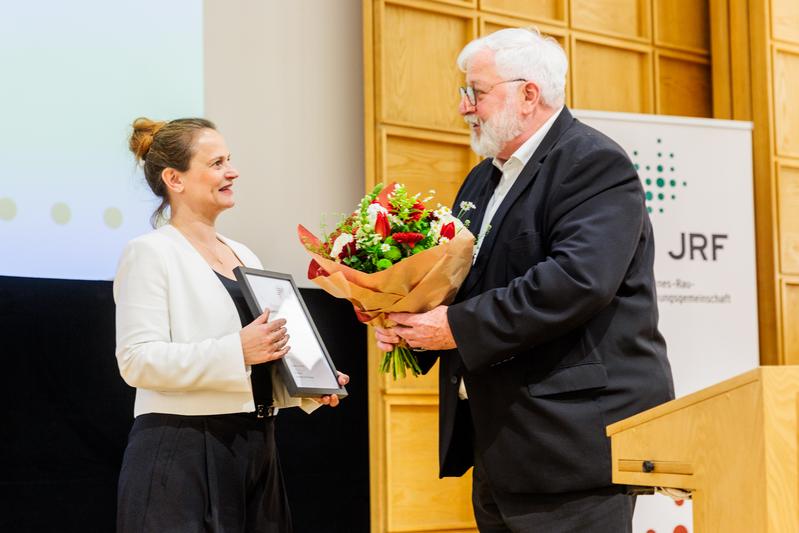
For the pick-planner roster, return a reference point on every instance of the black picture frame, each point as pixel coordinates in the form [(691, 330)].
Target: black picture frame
[(300, 381)]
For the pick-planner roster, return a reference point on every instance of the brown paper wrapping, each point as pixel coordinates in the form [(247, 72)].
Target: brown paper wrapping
[(414, 285)]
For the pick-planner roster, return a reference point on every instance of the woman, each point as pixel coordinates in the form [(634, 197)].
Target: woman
[(201, 454)]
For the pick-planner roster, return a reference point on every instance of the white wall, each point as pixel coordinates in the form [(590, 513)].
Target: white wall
[(284, 84)]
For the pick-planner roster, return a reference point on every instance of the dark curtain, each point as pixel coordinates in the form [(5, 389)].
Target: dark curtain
[(65, 414)]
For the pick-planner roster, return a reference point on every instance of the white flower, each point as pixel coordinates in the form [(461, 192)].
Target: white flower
[(442, 240), (384, 247), (442, 212), (467, 206), (338, 245), (372, 211)]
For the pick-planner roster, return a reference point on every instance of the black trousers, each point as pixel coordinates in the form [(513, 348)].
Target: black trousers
[(604, 510), (211, 474)]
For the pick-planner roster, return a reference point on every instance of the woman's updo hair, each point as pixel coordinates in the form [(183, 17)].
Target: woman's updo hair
[(159, 145)]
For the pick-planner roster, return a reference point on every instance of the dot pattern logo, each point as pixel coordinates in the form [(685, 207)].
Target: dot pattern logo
[(660, 177)]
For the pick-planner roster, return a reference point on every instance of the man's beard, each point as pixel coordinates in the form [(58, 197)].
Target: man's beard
[(497, 130)]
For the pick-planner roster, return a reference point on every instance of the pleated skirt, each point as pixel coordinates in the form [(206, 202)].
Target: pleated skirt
[(210, 474)]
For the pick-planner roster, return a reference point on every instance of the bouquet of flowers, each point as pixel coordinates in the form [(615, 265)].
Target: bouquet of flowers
[(393, 254)]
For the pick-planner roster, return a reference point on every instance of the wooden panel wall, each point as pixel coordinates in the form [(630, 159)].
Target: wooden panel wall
[(775, 58), (646, 56)]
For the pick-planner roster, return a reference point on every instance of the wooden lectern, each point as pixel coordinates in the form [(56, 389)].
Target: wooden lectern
[(734, 445)]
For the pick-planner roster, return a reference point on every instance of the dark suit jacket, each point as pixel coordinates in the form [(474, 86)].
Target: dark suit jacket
[(556, 324)]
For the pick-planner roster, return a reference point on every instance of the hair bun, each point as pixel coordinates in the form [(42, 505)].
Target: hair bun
[(141, 139)]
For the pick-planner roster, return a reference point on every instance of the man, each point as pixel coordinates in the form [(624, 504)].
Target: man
[(553, 335)]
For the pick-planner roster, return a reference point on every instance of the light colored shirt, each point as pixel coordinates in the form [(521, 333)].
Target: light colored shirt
[(510, 172)]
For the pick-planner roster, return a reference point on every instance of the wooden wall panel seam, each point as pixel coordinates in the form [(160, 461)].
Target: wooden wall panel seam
[(740, 64), (433, 7), (401, 393), (619, 36), (680, 48), (785, 43), (426, 134), (721, 66), (611, 40), (543, 20), (778, 229), (472, 4), (682, 56), (789, 48), (427, 128), (501, 20), (658, 104), (753, 16)]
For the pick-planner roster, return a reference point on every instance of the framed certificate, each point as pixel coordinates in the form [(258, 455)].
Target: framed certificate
[(307, 369)]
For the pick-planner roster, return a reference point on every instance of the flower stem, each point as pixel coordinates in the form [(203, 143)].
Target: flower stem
[(399, 361)]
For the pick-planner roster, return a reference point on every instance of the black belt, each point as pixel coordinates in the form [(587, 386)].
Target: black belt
[(262, 411)]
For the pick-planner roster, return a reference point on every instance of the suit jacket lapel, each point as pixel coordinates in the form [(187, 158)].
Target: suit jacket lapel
[(488, 180), (525, 179)]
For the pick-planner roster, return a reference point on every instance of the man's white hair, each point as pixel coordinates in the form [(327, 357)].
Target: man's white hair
[(524, 53)]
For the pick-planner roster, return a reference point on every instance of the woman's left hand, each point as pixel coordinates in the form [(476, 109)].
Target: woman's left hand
[(332, 399)]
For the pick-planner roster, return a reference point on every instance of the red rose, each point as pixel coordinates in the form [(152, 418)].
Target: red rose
[(448, 230), (382, 225), (348, 250), (416, 211), (410, 238)]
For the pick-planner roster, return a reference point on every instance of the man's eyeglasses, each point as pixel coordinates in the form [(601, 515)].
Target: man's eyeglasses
[(473, 94)]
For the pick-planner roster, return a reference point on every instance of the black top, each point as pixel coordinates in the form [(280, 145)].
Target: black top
[(261, 374)]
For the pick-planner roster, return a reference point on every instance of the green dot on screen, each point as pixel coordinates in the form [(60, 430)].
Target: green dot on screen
[(671, 155), (648, 181), (673, 196), (673, 183), (672, 169), (685, 184), (659, 141), (660, 182), (636, 166), (8, 209), (647, 167), (660, 196), (660, 168), (60, 213), (635, 152), (112, 217), (660, 154), (648, 209), (661, 209), (648, 195)]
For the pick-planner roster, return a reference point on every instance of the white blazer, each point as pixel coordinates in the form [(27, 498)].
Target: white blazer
[(178, 330)]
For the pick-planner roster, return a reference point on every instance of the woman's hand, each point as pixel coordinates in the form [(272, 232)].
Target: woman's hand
[(263, 341), (332, 399)]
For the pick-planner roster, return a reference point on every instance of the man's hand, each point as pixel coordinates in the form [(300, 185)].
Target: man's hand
[(387, 340), (428, 331)]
